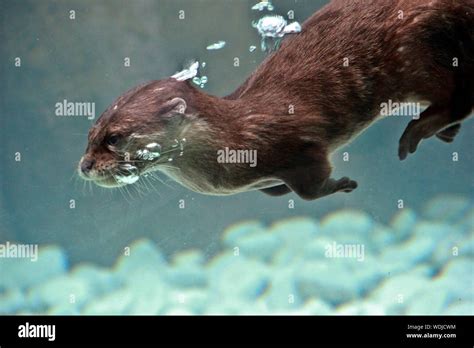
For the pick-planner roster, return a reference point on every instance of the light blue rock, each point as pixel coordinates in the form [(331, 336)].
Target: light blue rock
[(381, 237), (244, 279), (63, 310), (144, 256), (234, 306), (315, 307), (178, 311), (114, 303), (460, 308), (396, 292), (351, 224), (467, 222), (189, 257), (100, 279), (145, 279), (458, 269), (431, 301), (260, 246), (185, 276), (466, 247), (456, 278), (284, 257), (64, 291), (282, 293), (193, 301), (232, 234), (24, 273), (447, 208), (219, 263), (348, 226), (148, 293), (145, 293), (435, 230), (403, 224), (316, 249), (368, 274), (12, 302), (295, 233), (404, 257), (328, 280), (449, 238), (150, 301), (225, 306), (361, 308), (323, 280)]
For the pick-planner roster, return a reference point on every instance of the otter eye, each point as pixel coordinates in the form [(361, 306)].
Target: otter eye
[(113, 139)]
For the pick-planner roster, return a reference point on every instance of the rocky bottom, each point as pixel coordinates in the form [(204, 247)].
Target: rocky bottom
[(345, 263)]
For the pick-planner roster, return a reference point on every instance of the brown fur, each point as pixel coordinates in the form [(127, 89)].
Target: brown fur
[(390, 58)]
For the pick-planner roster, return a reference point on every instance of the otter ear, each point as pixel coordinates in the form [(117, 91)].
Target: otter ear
[(173, 107)]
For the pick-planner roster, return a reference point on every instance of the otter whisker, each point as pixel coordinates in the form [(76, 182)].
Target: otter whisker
[(123, 194), (142, 188), (141, 185), (75, 179), (153, 187), (157, 178), (137, 190), (84, 187), (127, 189), (122, 190), (146, 183), (132, 161)]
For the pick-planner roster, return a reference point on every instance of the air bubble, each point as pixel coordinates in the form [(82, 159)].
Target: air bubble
[(216, 46), (262, 5), (274, 27)]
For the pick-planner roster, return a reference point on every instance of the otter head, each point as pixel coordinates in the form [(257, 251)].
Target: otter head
[(143, 129)]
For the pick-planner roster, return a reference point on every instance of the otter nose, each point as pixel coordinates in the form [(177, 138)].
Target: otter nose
[(86, 165)]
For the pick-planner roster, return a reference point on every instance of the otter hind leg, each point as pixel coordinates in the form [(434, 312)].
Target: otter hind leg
[(462, 106), (448, 134), (444, 121), (437, 121), (431, 121)]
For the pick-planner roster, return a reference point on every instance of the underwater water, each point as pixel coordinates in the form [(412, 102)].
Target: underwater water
[(402, 243)]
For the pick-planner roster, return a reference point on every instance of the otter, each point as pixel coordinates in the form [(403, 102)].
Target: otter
[(320, 89)]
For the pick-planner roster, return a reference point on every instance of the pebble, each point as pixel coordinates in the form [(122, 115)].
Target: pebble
[(24, 273), (348, 226), (396, 292), (403, 223), (447, 208), (140, 255), (328, 281), (233, 233)]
